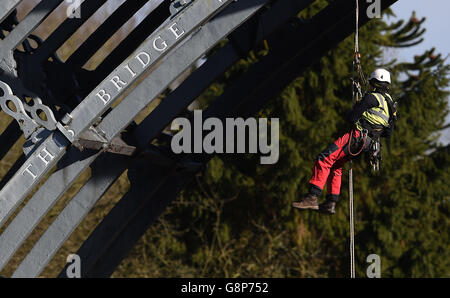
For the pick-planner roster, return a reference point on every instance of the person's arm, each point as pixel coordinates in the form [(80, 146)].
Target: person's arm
[(367, 102), (388, 131)]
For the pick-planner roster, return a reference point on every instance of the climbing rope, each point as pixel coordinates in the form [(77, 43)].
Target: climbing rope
[(364, 134), (352, 227), (357, 68), (356, 85), (357, 28), (356, 96)]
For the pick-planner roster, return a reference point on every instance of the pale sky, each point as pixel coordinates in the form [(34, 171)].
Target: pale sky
[(437, 35), (437, 23)]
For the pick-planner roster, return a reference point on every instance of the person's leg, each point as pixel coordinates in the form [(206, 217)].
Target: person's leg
[(328, 166), (335, 178), (322, 167), (334, 183), (333, 188), (321, 172)]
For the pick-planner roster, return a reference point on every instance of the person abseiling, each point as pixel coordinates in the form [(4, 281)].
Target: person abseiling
[(373, 117)]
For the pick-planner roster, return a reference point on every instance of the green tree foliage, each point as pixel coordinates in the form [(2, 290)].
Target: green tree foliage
[(236, 219)]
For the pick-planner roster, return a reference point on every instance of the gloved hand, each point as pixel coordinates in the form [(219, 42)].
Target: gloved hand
[(375, 155), (394, 112)]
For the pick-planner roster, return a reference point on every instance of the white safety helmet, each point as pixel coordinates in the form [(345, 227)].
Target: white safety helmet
[(381, 75)]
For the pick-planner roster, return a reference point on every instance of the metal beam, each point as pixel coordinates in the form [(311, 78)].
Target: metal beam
[(62, 227), (6, 7), (64, 31), (90, 79), (151, 127), (153, 203), (12, 170), (175, 64), (29, 175), (53, 148), (9, 137), (74, 64), (153, 50), (54, 237), (96, 40), (23, 29)]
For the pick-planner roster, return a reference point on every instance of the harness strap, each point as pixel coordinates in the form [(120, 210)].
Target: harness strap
[(379, 114), (390, 103), (382, 105), (364, 136)]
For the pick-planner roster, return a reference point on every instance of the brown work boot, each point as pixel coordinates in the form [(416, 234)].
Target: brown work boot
[(309, 202), (328, 207)]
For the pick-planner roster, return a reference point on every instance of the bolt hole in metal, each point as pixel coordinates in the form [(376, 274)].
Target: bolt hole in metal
[(29, 101), (42, 115), (33, 43), (11, 106)]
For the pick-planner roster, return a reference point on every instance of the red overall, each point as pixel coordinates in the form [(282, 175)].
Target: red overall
[(329, 163)]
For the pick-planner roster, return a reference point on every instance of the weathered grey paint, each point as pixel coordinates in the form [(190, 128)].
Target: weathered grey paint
[(153, 50), (175, 64), (6, 6), (21, 184), (22, 30), (27, 177)]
